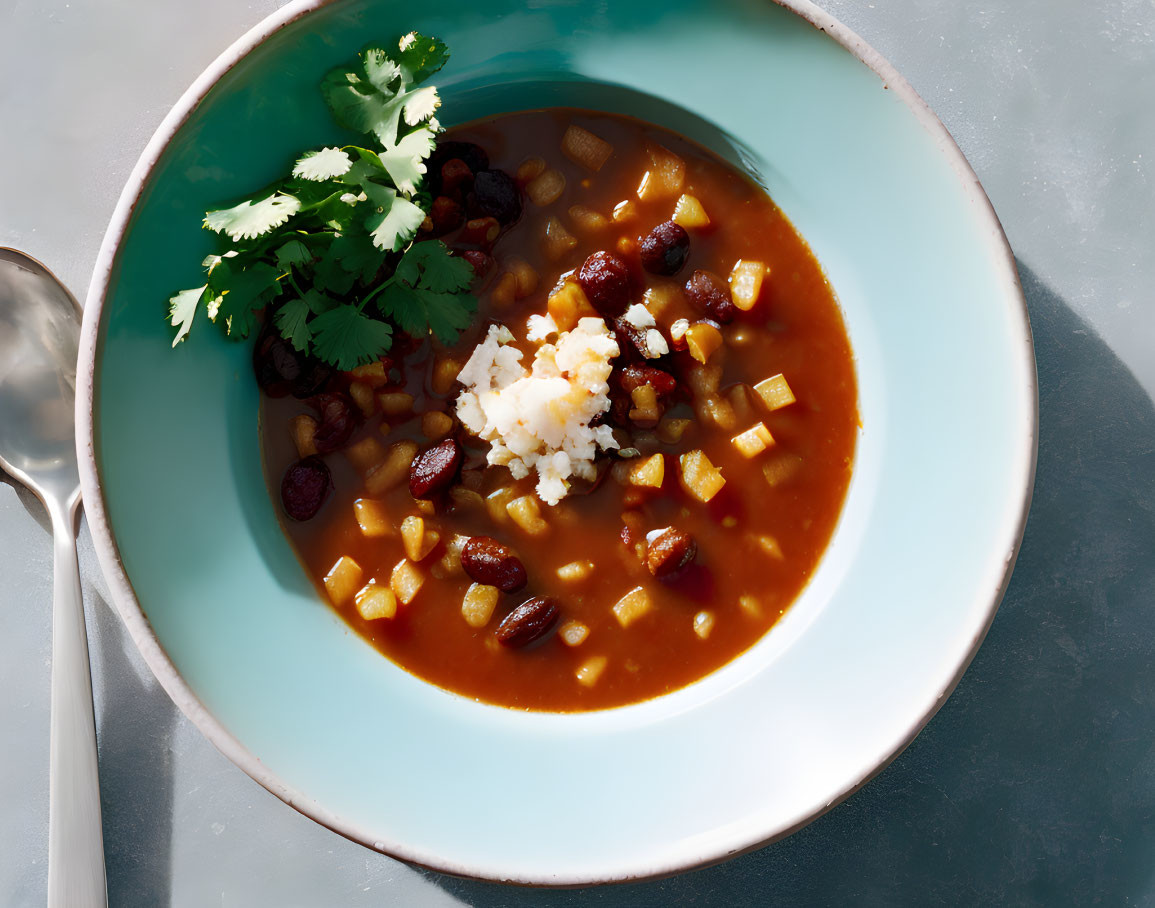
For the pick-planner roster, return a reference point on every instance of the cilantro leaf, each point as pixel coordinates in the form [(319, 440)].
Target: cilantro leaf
[(348, 338), (293, 253), (322, 165), (425, 293), (183, 309), (431, 262), (395, 219), (404, 160), (291, 321), (242, 292), (252, 219)]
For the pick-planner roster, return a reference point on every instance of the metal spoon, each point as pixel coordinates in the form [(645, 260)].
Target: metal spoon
[(39, 336)]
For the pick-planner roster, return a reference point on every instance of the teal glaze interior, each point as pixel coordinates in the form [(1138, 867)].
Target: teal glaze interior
[(777, 735)]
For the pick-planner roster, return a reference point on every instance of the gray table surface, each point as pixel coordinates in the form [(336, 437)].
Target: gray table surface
[(1036, 782)]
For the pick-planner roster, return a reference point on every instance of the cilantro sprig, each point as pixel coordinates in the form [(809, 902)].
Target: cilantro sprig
[(330, 252)]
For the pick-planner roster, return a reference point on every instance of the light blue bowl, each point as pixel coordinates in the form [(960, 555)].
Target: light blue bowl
[(225, 616)]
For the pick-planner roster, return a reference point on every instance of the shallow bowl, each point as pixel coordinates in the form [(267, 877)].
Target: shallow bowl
[(225, 616)]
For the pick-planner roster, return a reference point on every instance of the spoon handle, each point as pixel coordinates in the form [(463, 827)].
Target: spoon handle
[(75, 840)]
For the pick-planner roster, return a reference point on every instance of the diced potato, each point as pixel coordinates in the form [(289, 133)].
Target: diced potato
[(525, 274), (775, 392), (375, 600), (753, 441), (659, 299), (740, 397), (746, 283), (573, 633), (436, 424), (575, 571), (417, 539), (671, 430), (395, 403), (445, 371), (363, 397), (478, 604), (451, 560), (366, 455), (702, 339), (678, 333), (343, 580), (632, 606), (372, 374), (781, 469), (586, 221), (428, 508), (649, 473), (626, 245), (716, 410), (591, 670), (303, 428), (666, 176), (406, 581), (703, 623), (689, 213), (645, 409), (770, 545), (558, 241), (582, 147), (497, 501), (529, 169), (750, 605), (705, 379), (526, 513), (546, 188), (466, 498), (568, 305), (395, 469), (504, 291), (372, 518), (625, 211), (700, 478)]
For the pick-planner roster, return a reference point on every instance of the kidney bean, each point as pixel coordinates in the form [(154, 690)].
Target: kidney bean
[(433, 470), (605, 278), (480, 231), (456, 178), (637, 374), (480, 261), (631, 339), (711, 293), (338, 419), (472, 155), (665, 249), (446, 215), (497, 195), (670, 552), (304, 488), (276, 364), (488, 561), (530, 621)]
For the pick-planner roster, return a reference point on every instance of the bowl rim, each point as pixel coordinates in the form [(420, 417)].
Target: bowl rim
[(132, 614)]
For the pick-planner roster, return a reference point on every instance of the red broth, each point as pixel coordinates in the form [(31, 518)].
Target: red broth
[(758, 540)]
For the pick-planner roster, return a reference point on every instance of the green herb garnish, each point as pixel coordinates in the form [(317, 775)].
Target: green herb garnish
[(329, 252)]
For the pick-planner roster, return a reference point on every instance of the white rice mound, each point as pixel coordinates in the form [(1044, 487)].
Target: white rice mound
[(540, 419)]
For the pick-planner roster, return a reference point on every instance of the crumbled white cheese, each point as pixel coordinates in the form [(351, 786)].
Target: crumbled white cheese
[(540, 419), (639, 316)]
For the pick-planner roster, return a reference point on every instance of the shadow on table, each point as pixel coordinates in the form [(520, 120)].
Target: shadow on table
[(1035, 784)]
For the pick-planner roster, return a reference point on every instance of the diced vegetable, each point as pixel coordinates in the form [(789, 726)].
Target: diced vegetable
[(303, 428), (372, 518), (746, 283), (771, 547), (366, 455), (582, 147), (586, 221), (781, 469), (632, 606), (557, 241), (417, 539), (649, 473), (740, 397), (372, 374), (750, 605), (753, 441), (705, 379), (478, 604), (529, 169), (666, 176), (660, 298), (568, 305), (445, 371), (575, 571), (690, 214), (504, 291), (436, 424), (376, 601), (395, 403), (625, 211), (496, 504), (573, 633), (591, 670), (717, 410), (466, 498), (546, 188), (703, 623), (671, 430), (775, 392), (406, 581), (395, 469), (702, 339), (343, 580), (700, 478), (645, 409), (526, 513), (363, 397), (524, 274)]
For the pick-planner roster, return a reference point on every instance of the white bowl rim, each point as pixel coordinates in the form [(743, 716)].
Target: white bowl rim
[(142, 634)]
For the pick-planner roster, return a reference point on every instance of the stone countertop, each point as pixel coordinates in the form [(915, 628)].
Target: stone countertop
[(1035, 784)]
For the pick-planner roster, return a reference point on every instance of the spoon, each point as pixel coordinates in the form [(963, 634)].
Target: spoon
[(39, 337)]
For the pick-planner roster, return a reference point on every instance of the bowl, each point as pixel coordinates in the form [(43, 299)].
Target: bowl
[(223, 613)]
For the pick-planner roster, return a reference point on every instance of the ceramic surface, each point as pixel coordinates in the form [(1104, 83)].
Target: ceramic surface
[(219, 606)]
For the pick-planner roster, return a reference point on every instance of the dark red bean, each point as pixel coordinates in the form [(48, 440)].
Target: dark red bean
[(480, 261), (480, 231), (665, 249), (446, 215), (497, 196), (304, 488), (631, 340), (605, 278), (488, 561), (473, 155), (530, 621), (636, 374), (337, 417), (434, 469), (276, 364), (711, 294), (670, 552), (456, 178)]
